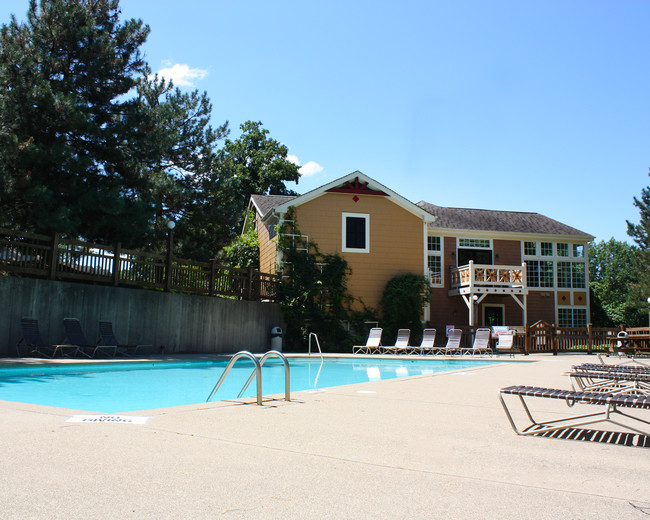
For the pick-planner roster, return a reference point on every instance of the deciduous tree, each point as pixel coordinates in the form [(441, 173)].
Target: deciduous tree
[(612, 272)]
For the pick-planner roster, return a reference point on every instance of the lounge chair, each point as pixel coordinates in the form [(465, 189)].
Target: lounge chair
[(75, 336), (643, 369), (401, 343), (506, 343), (373, 344), (481, 343), (107, 338), (612, 381), (33, 341), (608, 403), (428, 341), (453, 343)]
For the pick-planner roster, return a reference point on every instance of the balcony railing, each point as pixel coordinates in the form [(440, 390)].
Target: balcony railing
[(494, 279)]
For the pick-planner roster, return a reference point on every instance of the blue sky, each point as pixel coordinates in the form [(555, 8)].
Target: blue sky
[(529, 105)]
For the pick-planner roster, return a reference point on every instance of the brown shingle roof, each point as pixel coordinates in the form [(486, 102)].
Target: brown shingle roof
[(499, 221), (265, 203)]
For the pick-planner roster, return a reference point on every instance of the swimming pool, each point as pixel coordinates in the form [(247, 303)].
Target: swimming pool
[(127, 387)]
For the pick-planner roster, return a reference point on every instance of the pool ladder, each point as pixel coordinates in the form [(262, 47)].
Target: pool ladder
[(257, 372), (315, 336)]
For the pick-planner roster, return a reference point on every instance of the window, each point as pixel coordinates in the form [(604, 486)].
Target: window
[(579, 250), (571, 275), (539, 273), (570, 317), (578, 275), (564, 275), (558, 271), (474, 242), (434, 260), (477, 250), (433, 243), (435, 269), (355, 233)]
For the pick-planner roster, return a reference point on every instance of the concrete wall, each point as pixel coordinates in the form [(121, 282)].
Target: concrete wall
[(179, 322)]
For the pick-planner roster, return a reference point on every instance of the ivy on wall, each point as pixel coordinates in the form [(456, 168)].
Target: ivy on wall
[(402, 302), (313, 293)]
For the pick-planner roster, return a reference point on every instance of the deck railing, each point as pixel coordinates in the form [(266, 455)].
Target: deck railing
[(484, 275), (58, 258), (542, 337)]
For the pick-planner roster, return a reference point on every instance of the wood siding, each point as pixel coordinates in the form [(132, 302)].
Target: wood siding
[(452, 310), (541, 306), (396, 240), (507, 251), (268, 248)]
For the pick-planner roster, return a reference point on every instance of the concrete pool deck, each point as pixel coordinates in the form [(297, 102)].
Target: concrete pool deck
[(435, 446)]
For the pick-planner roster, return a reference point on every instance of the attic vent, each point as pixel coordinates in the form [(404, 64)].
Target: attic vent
[(356, 187)]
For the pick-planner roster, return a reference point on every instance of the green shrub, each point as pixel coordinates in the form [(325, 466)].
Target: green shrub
[(402, 303)]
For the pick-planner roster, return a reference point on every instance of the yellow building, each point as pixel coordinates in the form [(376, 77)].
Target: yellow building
[(486, 267)]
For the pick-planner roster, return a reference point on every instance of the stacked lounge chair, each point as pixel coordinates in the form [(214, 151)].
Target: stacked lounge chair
[(611, 378)]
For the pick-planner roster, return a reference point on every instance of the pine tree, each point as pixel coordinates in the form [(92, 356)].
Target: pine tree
[(639, 290), (64, 119), (641, 232)]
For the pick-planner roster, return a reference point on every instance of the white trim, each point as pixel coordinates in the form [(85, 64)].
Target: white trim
[(392, 196), (344, 217), (508, 235), (440, 253)]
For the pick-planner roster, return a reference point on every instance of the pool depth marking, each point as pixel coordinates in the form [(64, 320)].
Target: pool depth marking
[(119, 419)]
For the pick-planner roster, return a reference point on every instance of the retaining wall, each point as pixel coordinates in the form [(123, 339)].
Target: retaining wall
[(181, 323)]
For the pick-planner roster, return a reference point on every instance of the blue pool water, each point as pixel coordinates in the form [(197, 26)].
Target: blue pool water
[(127, 387)]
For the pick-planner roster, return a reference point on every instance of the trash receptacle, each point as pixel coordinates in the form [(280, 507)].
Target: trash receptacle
[(276, 339)]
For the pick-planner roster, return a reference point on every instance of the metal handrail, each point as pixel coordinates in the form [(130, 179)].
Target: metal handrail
[(317, 343), (287, 377), (257, 371)]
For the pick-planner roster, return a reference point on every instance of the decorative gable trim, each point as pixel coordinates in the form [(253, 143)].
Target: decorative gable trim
[(356, 187), (353, 181)]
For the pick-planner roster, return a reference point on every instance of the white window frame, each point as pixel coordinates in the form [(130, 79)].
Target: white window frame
[(344, 248), (440, 254)]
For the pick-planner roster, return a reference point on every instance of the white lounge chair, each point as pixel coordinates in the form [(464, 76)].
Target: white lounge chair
[(506, 343), (373, 344), (401, 343), (453, 343), (428, 341), (481, 343)]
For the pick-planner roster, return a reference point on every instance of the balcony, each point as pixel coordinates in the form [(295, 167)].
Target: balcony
[(488, 279)]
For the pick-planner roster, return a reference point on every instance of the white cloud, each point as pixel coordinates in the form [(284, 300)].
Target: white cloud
[(306, 170), (182, 75), (310, 168)]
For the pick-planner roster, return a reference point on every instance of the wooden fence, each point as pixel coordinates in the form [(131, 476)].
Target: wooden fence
[(542, 337), (58, 258)]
